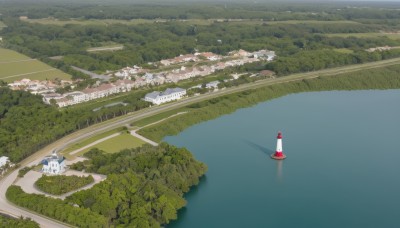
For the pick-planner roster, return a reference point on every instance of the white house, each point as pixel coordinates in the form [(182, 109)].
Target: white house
[(213, 84), (264, 54), (3, 161), (53, 164), (166, 96)]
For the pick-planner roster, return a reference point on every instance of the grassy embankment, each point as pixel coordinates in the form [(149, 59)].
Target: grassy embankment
[(15, 66), (112, 145), (378, 78)]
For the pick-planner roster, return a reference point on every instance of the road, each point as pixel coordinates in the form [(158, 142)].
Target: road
[(91, 74), (8, 208)]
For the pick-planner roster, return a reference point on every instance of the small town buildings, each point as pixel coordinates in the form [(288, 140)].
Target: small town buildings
[(88, 94), (264, 54), (53, 164), (209, 56), (3, 161), (212, 85), (168, 95)]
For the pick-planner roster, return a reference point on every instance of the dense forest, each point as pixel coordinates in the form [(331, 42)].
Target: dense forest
[(144, 188), (145, 43), (27, 124), (21, 222), (379, 78), (152, 41), (190, 9)]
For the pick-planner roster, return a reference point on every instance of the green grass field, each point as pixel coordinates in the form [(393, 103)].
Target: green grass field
[(115, 144), (90, 140), (158, 117), (392, 36), (15, 66), (111, 47)]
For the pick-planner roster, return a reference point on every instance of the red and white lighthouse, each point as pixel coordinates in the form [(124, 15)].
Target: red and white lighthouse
[(278, 155)]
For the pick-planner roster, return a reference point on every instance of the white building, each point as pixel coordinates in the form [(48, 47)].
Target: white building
[(53, 164), (166, 96), (213, 84), (3, 161), (264, 54)]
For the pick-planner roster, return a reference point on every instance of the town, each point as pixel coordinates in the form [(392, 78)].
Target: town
[(205, 63)]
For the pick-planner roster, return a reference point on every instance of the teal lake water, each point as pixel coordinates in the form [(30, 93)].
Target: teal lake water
[(342, 167)]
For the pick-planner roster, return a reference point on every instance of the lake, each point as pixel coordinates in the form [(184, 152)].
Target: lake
[(342, 167)]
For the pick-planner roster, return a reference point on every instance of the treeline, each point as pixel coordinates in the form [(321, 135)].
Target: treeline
[(306, 61), (20, 222), (27, 124), (151, 42), (144, 188), (60, 184), (55, 208), (379, 78), (177, 10)]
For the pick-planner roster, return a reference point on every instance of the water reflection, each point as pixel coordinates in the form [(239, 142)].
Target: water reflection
[(279, 174)]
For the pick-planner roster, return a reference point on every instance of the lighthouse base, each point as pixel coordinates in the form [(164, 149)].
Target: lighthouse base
[(273, 156)]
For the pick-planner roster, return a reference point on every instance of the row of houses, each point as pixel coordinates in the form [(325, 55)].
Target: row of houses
[(142, 77), (88, 94), (191, 58), (38, 87), (134, 77)]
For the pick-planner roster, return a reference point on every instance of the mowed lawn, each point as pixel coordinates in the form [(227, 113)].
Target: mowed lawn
[(115, 144), (393, 36), (2, 25), (15, 66)]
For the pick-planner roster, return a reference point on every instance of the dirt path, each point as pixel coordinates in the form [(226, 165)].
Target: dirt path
[(135, 134)]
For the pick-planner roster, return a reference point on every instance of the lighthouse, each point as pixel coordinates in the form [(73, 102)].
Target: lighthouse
[(278, 155)]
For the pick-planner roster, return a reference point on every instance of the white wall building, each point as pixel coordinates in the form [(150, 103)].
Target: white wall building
[(166, 96), (53, 164), (212, 85), (3, 161)]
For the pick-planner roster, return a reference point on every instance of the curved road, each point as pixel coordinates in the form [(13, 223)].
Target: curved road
[(8, 208)]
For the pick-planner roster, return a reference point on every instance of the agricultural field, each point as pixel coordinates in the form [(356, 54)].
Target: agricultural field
[(393, 36), (15, 66)]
